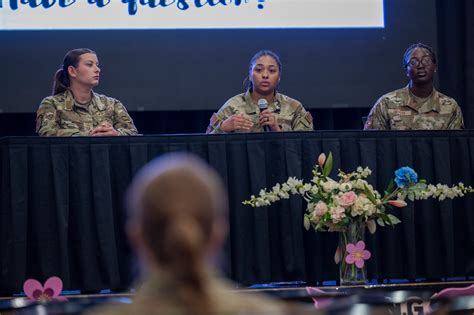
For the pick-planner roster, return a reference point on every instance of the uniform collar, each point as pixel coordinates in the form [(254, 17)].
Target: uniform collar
[(273, 106), (430, 104), (69, 101)]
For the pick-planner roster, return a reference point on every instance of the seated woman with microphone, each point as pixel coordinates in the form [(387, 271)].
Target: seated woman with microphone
[(261, 107)]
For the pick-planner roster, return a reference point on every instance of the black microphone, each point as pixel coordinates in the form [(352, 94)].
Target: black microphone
[(263, 104)]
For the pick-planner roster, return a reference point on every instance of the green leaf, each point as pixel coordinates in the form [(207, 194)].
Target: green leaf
[(369, 194), (380, 222), (393, 219), (384, 217), (306, 223), (320, 226), (328, 165), (382, 209), (315, 198), (390, 188)]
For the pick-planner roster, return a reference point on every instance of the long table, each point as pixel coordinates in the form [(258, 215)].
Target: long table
[(62, 213)]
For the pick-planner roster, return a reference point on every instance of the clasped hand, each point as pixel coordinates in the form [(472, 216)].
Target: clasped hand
[(105, 129)]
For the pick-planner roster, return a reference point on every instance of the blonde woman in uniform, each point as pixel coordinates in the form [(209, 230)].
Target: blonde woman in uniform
[(177, 225)]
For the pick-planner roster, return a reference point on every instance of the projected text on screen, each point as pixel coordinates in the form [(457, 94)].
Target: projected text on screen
[(189, 14)]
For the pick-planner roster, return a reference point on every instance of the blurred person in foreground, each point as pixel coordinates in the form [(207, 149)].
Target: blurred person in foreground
[(242, 113), (418, 106), (75, 109), (177, 225)]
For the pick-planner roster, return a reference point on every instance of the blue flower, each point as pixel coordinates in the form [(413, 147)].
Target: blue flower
[(405, 175)]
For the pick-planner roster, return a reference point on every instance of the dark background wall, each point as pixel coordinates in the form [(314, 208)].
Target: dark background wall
[(172, 80)]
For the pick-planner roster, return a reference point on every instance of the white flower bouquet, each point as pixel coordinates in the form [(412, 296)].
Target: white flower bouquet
[(334, 204), (351, 204)]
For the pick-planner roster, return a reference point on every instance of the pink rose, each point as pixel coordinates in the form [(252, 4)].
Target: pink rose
[(337, 214), (321, 208), (347, 199)]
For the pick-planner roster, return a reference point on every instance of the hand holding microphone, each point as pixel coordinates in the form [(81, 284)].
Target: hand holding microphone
[(267, 118)]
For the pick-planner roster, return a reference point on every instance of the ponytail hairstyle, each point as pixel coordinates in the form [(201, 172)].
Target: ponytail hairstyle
[(176, 202), (248, 86), (61, 78)]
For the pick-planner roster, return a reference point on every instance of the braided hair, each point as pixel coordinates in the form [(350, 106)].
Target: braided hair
[(406, 55)]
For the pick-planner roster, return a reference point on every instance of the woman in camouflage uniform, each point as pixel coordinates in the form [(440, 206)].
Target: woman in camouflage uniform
[(241, 113), (75, 109), (418, 106)]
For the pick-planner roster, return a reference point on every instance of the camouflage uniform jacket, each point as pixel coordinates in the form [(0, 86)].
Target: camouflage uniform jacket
[(158, 296), (401, 110), (60, 115), (290, 114)]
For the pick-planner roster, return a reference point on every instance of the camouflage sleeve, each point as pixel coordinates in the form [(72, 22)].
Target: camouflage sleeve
[(302, 121), (214, 124), (123, 123), (217, 118), (457, 121), (378, 118), (47, 122)]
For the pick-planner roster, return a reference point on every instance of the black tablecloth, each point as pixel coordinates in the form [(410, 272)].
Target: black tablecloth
[(62, 205)]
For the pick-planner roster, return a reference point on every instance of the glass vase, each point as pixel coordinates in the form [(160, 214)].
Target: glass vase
[(350, 272)]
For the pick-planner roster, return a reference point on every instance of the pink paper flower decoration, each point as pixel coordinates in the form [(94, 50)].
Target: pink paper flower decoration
[(357, 254), (50, 292), (455, 292), (320, 301)]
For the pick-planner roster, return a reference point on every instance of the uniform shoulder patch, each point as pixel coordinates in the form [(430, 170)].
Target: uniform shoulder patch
[(214, 119)]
